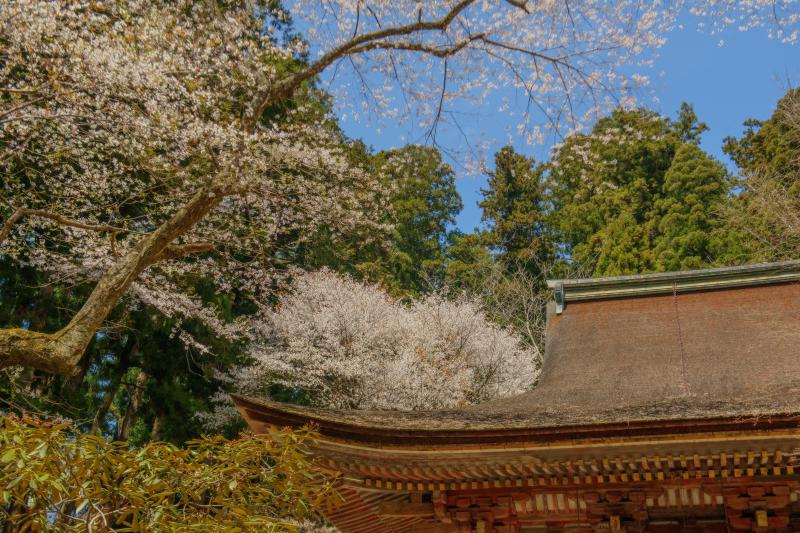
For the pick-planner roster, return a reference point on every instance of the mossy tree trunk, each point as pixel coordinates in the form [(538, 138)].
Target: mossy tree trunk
[(61, 352)]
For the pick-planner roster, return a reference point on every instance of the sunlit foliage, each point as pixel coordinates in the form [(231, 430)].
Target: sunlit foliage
[(54, 479)]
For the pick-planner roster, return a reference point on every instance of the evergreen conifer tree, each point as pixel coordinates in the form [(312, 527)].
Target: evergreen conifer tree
[(689, 226), (637, 194), (514, 207)]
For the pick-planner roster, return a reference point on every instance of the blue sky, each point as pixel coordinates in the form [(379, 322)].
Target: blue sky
[(727, 84)]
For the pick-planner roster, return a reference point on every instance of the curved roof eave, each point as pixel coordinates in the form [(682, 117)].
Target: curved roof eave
[(429, 430)]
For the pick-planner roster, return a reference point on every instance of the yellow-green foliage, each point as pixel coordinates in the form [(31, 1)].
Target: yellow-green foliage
[(55, 479)]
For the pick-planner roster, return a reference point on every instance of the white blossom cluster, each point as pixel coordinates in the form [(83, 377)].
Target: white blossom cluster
[(780, 18), (584, 151), (353, 346)]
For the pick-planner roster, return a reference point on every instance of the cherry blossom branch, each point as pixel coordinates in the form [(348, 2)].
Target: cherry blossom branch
[(176, 251), (60, 352), (287, 86), (60, 219), (440, 106), (21, 107), (520, 4), (441, 52)]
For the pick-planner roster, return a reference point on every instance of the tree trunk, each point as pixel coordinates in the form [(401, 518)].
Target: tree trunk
[(137, 391), (73, 384), (155, 431), (60, 352), (122, 367)]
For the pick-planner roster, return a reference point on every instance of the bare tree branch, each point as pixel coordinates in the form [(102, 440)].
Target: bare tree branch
[(432, 131)]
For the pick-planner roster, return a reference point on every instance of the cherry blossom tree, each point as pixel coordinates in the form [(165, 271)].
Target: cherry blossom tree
[(134, 155), (140, 141), (350, 345)]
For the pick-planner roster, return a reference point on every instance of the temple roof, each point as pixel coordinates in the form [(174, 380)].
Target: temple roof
[(672, 352)]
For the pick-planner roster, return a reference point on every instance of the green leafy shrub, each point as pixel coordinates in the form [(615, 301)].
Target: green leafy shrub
[(53, 478)]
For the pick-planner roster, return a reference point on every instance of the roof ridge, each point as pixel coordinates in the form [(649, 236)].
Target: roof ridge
[(571, 290)]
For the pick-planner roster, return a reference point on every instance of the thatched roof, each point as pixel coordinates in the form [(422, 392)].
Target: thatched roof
[(700, 348)]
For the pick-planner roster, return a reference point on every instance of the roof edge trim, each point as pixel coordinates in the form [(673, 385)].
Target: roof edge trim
[(282, 415), (573, 290)]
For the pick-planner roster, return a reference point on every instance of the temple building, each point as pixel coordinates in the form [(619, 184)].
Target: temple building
[(667, 403)]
